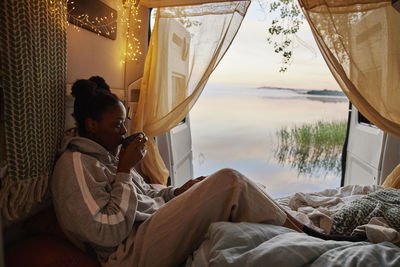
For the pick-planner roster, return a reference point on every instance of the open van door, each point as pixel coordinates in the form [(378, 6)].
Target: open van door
[(364, 150), (371, 154), (176, 150), (176, 145)]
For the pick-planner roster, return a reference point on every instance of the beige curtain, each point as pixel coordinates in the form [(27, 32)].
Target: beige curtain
[(360, 41), (186, 45)]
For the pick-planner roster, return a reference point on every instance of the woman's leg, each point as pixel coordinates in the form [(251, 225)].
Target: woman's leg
[(178, 228), (293, 223)]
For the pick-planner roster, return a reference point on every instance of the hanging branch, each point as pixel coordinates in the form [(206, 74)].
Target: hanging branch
[(283, 29)]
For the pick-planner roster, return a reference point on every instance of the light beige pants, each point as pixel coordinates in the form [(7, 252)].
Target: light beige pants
[(178, 227)]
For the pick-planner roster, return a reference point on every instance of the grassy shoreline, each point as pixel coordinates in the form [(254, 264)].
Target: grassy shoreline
[(312, 148)]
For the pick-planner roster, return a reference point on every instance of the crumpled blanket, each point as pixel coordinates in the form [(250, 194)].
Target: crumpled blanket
[(382, 203), (249, 244), (315, 209), (377, 230), (252, 244)]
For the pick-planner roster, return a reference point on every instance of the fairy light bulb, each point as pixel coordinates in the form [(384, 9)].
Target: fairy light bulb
[(104, 25)]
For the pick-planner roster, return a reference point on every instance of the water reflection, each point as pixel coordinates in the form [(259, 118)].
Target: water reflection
[(314, 150), (236, 128), (325, 99)]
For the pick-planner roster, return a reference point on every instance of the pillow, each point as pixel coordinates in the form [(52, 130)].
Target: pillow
[(45, 222), (393, 179), (46, 250)]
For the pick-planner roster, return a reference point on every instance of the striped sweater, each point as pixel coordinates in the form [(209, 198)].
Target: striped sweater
[(94, 203)]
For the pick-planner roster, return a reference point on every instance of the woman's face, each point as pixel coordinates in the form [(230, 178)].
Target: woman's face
[(111, 129)]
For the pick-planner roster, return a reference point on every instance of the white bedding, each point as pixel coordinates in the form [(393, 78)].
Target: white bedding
[(315, 209), (249, 244)]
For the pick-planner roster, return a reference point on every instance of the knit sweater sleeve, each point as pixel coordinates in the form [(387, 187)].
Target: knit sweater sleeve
[(89, 204), (166, 193)]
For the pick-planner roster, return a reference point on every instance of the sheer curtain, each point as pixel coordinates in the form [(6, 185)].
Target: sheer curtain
[(360, 41), (187, 43)]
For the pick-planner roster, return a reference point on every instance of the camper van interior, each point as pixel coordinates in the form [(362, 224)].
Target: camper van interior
[(158, 66)]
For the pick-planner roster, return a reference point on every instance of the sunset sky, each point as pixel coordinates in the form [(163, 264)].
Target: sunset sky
[(251, 62)]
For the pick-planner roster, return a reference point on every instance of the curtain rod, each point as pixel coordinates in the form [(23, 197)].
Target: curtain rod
[(172, 3)]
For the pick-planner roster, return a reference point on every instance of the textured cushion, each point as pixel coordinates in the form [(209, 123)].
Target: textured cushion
[(382, 203), (46, 250)]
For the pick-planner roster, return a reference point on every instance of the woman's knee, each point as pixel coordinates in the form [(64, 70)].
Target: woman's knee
[(228, 176)]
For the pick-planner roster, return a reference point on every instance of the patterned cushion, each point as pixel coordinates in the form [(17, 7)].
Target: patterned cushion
[(383, 203)]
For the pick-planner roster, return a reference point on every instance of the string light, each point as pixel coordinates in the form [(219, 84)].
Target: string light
[(101, 25), (128, 18)]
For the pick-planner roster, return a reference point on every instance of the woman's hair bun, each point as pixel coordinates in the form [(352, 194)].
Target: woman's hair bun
[(83, 89), (101, 83), (92, 98)]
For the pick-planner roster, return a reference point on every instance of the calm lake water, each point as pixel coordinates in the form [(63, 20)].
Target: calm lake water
[(236, 128)]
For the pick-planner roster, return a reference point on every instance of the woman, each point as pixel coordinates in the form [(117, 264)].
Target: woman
[(101, 200)]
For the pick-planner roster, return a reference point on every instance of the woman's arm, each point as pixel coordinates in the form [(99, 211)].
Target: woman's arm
[(170, 192), (88, 205)]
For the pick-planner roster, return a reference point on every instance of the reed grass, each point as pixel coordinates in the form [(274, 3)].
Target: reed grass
[(313, 148)]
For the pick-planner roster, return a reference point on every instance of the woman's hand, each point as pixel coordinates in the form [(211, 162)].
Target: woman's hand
[(132, 154), (188, 185)]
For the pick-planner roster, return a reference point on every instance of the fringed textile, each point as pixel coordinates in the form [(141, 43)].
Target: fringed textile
[(33, 69)]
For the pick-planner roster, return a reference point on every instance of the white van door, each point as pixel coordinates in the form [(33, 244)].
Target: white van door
[(371, 153), (176, 145), (364, 151), (176, 150)]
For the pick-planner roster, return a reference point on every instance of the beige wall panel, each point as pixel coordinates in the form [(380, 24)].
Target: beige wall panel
[(90, 54)]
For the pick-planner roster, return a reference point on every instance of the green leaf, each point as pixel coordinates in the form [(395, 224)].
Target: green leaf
[(281, 33)]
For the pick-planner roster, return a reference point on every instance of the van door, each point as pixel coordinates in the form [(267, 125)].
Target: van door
[(364, 151), (176, 150), (176, 145), (371, 153)]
